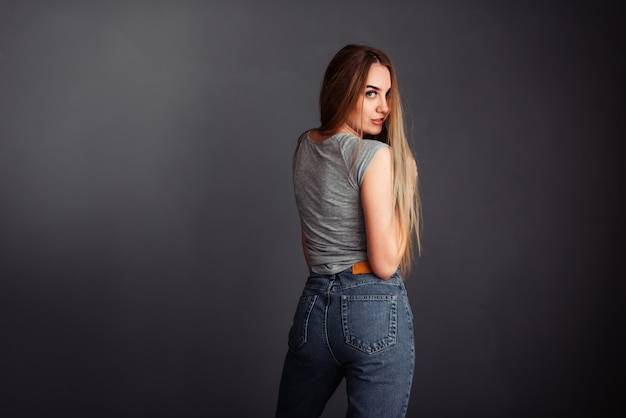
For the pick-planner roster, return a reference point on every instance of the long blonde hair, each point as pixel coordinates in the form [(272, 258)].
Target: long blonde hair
[(343, 85)]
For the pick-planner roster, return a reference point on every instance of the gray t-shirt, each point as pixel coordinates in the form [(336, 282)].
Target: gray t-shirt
[(327, 178)]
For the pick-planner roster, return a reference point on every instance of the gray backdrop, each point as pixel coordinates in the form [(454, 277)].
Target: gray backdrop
[(149, 241)]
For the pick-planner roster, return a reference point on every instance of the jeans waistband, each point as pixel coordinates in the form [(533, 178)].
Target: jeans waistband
[(359, 274)]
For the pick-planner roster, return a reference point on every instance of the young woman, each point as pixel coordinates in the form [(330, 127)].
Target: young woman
[(355, 183)]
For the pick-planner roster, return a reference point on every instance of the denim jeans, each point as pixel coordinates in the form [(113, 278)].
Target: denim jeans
[(355, 326)]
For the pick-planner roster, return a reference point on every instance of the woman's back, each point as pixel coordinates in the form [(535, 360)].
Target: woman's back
[(327, 180)]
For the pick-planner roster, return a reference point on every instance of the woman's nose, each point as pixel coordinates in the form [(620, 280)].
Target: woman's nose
[(383, 107)]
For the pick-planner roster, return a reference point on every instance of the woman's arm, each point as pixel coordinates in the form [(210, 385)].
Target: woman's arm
[(385, 243)]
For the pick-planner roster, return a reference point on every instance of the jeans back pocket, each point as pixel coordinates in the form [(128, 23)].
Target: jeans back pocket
[(369, 321), (298, 332)]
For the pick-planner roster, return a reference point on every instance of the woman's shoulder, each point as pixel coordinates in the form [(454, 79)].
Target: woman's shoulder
[(351, 143), (374, 143), (345, 140), (353, 139)]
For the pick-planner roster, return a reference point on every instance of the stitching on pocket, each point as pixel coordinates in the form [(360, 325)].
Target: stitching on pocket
[(369, 321)]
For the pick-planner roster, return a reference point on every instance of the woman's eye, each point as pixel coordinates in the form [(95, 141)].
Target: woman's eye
[(370, 93)]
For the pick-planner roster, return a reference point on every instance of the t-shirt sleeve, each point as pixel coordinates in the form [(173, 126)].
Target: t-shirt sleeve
[(369, 147)]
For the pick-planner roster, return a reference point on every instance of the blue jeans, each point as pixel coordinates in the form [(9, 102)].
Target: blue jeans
[(355, 326)]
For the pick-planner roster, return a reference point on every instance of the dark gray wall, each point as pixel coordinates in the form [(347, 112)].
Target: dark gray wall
[(149, 242)]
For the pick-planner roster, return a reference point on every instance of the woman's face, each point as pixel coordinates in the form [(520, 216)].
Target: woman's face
[(372, 108)]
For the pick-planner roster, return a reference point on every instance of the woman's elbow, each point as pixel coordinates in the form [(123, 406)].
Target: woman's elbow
[(384, 257), (383, 270)]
